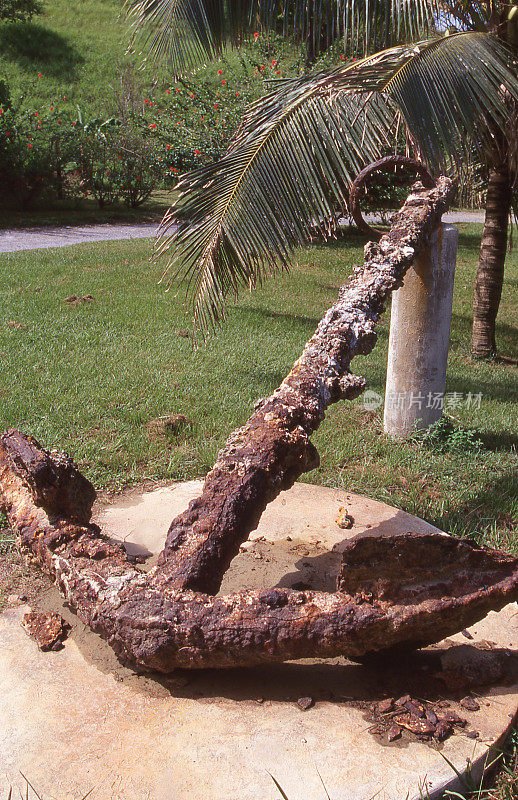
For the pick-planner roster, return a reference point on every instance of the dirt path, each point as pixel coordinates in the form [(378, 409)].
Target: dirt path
[(12, 240), (43, 237)]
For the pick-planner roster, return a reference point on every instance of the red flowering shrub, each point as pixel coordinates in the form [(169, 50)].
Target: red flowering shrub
[(146, 143), (196, 118), (34, 150)]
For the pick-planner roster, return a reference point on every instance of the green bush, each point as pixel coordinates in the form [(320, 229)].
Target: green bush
[(387, 190), (196, 118), (154, 137), (120, 160), (48, 154), (151, 137), (5, 95), (95, 162), (34, 149), (445, 436), (19, 10), (141, 163)]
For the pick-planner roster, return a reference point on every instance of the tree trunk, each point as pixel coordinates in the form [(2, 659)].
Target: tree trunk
[(490, 273), (412, 589)]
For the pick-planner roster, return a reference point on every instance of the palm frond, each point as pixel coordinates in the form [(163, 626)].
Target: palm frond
[(239, 219), (452, 96), (181, 33), (178, 33), (299, 148)]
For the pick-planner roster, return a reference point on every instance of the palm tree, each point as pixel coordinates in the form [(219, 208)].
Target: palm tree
[(298, 149)]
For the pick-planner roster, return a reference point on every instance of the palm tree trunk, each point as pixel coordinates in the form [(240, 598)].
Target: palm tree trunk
[(490, 273)]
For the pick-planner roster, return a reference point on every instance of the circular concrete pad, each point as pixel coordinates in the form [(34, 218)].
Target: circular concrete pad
[(77, 720)]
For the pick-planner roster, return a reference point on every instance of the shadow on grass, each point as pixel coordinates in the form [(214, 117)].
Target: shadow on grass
[(345, 237), (507, 335), (256, 313), (35, 47), (498, 441), (490, 390)]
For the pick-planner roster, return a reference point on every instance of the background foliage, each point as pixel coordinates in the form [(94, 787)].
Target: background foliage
[(19, 10), (66, 76)]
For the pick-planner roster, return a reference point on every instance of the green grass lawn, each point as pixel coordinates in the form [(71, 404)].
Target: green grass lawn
[(89, 377)]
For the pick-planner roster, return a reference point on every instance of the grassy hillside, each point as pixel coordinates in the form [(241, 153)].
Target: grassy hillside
[(73, 50), (75, 54)]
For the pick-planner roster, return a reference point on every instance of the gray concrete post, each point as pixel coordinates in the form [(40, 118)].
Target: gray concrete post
[(419, 338)]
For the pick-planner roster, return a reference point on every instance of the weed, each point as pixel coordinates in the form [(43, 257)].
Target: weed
[(503, 786), (30, 793), (446, 436)]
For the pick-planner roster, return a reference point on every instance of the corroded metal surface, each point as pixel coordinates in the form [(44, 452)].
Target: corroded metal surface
[(382, 164), (169, 617), (273, 448), (159, 627), (49, 630), (54, 482), (424, 719)]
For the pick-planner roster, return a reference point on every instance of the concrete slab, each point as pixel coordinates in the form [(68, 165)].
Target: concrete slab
[(77, 720)]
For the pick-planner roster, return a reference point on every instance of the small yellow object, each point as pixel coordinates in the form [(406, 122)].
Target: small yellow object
[(344, 520)]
